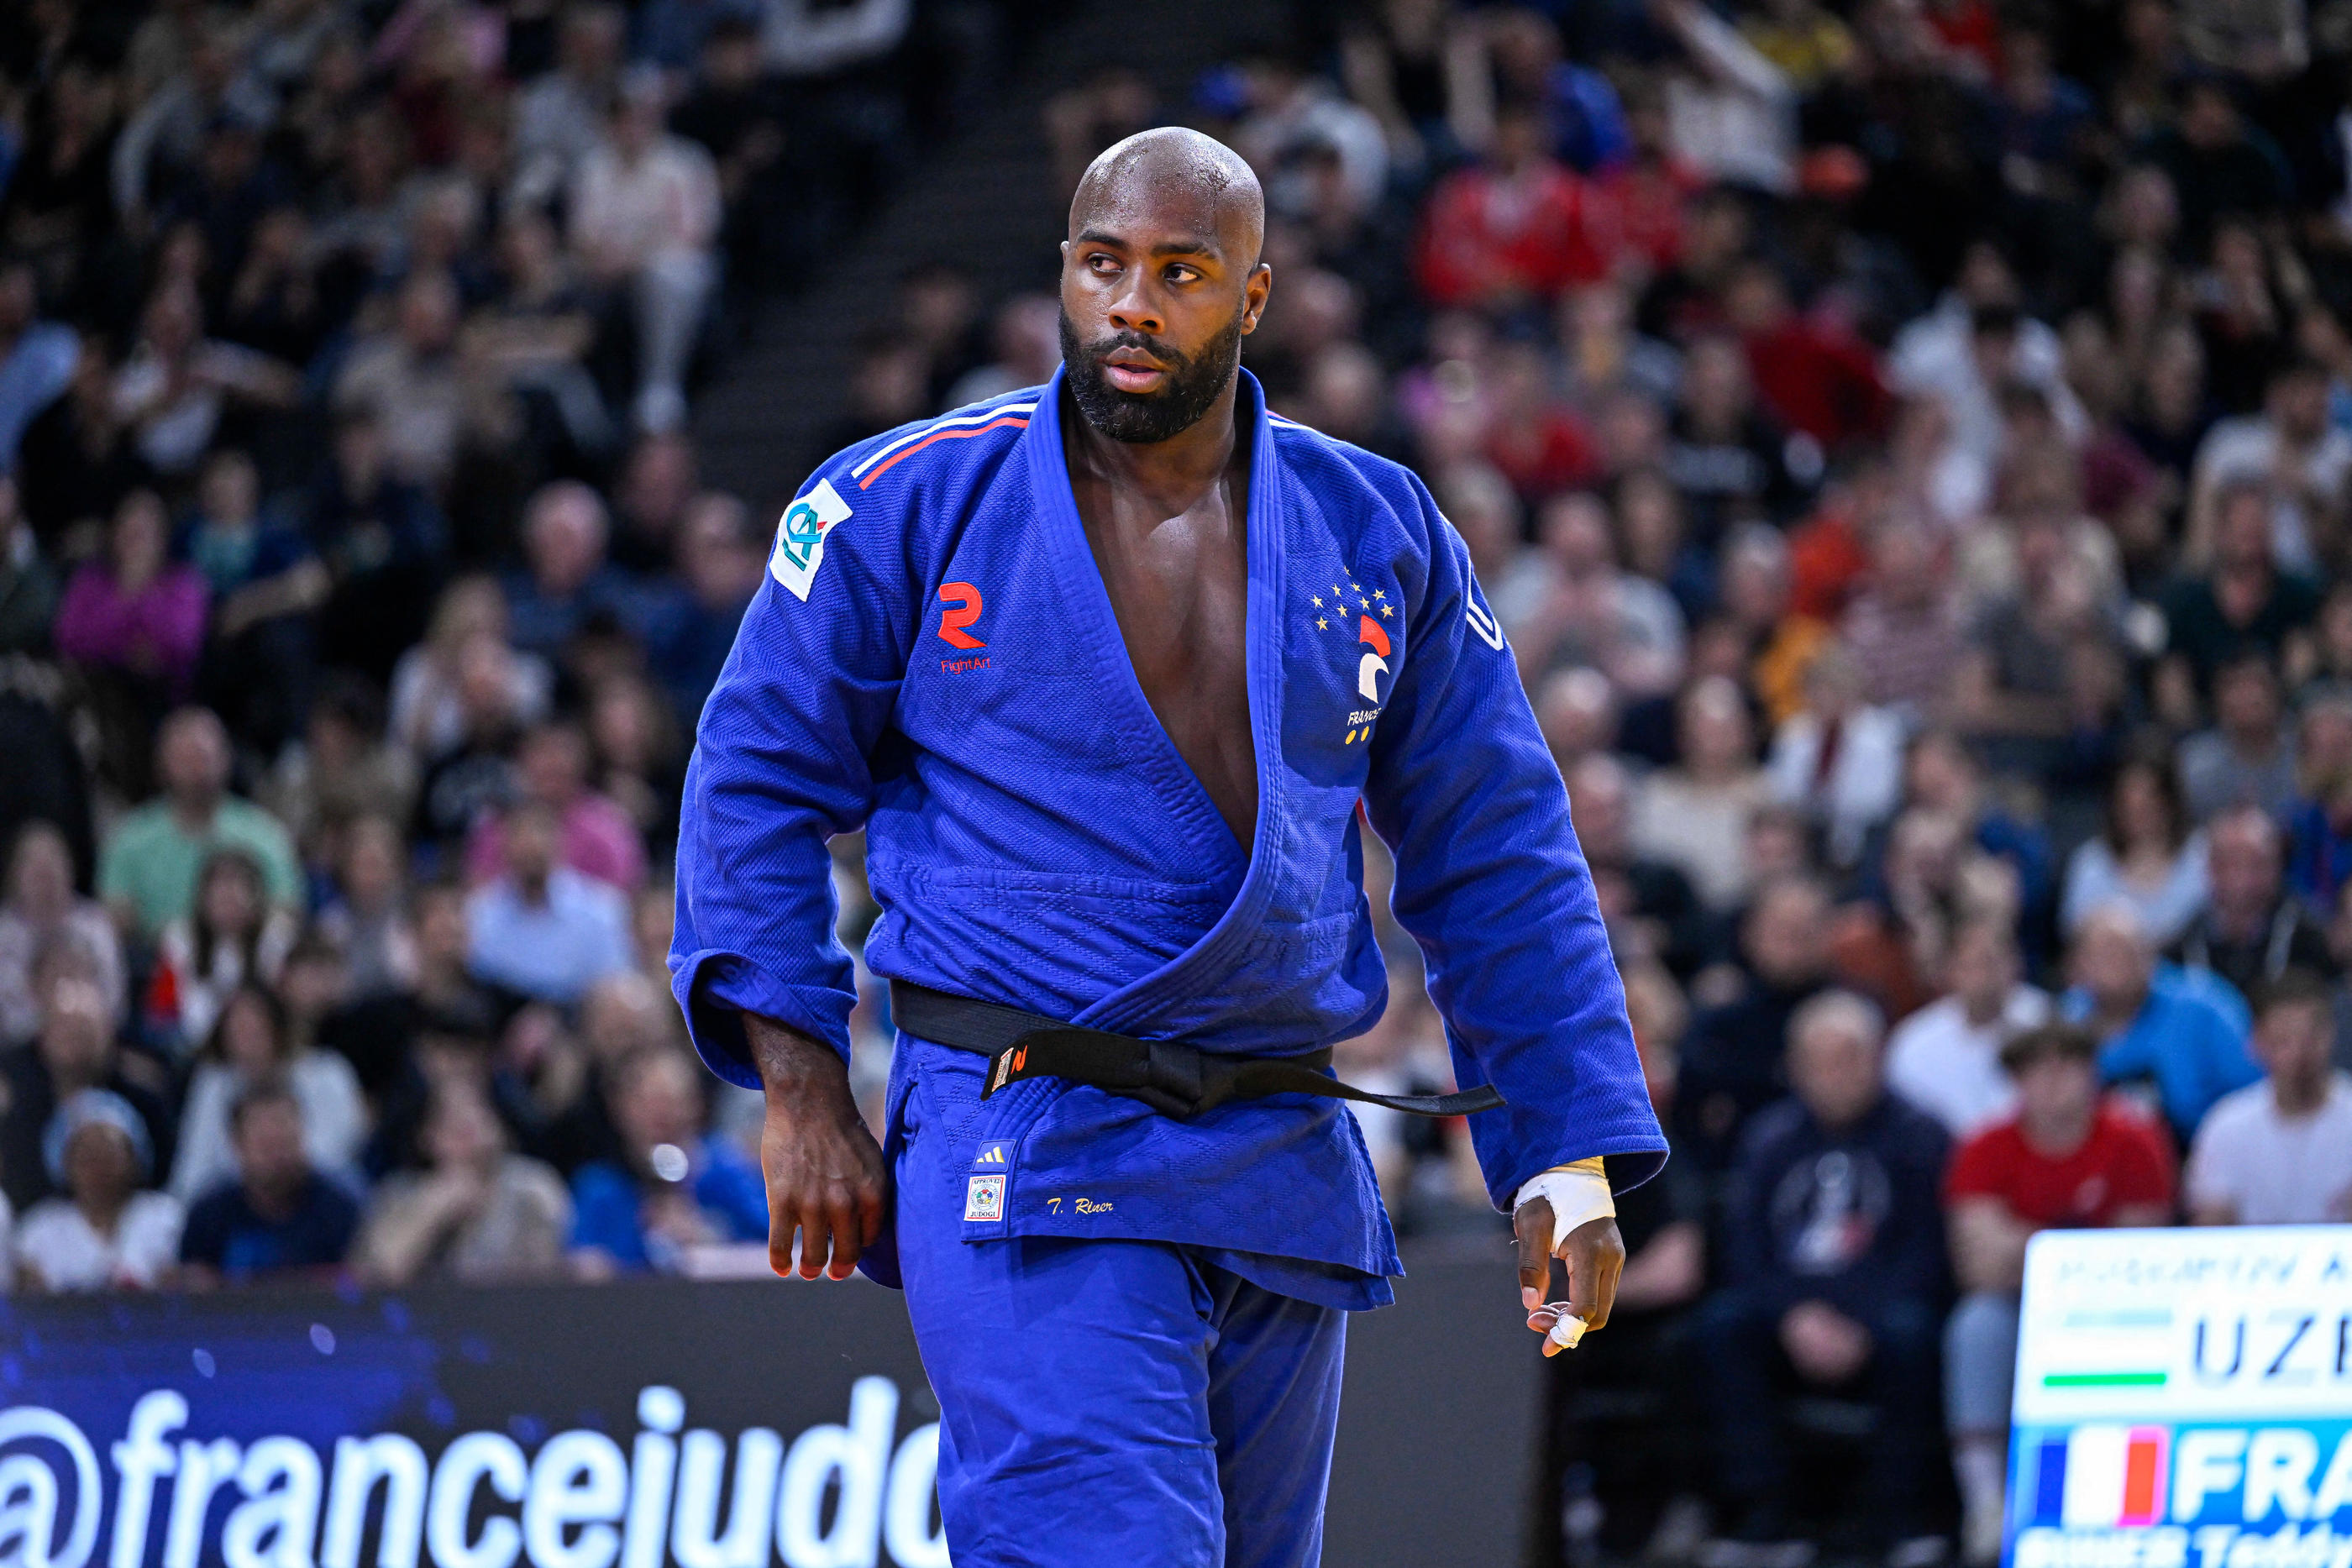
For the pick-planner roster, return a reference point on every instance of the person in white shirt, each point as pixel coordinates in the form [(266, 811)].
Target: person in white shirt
[(2290, 449), (645, 210), (2280, 1151), (1946, 1058), (253, 1041), (1974, 342), (108, 1234), (1838, 757)]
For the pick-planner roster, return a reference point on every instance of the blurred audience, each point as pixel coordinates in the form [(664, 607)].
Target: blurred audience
[(40, 908), (103, 1232), (672, 1188), (252, 1043), (2069, 1158), (476, 1213), (1834, 1280), (2182, 1042), (1907, 452), (2279, 1152), (276, 1214)]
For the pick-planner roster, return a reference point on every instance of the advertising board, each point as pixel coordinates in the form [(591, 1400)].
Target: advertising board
[(640, 1424), (2184, 1400)]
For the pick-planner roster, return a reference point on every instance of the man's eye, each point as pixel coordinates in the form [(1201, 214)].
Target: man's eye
[(1182, 274), (1103, 263)]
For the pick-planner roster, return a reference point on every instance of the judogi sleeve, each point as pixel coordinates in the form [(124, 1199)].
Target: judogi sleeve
[(1491, 885), (781, 763)]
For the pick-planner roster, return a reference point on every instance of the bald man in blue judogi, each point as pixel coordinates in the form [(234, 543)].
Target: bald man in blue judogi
[(1135, 802)]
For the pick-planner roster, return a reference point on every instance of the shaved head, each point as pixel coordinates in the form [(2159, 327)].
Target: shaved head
[(1177, 174), (1160, 281)]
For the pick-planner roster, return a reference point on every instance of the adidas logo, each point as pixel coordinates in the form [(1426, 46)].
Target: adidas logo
[(992, 1155)]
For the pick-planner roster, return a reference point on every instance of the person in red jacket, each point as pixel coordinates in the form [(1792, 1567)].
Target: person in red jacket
[(2070, 1157), (1814, 375), (1515, 229)]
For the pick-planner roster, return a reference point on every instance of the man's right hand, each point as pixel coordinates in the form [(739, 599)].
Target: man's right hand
[(825, 1178)]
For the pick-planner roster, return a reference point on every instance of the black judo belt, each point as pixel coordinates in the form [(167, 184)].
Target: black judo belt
[(1172, 1078)]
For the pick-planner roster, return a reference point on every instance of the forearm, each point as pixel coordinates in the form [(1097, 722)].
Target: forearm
[(825, 1178), (797, 1070)]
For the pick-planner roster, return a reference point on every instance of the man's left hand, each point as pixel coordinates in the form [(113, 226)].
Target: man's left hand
[(1595, 1256)]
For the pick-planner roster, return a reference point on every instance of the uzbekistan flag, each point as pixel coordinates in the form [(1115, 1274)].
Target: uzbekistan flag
[(2102, 1476)]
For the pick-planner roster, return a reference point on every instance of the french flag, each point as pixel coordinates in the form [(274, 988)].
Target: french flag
[(2102, 1476)]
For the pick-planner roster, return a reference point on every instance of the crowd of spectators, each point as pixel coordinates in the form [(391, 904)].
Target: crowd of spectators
[(358, 597), (1906, 440)]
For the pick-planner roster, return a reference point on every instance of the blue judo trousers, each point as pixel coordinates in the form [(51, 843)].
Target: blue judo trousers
[(1133, 1323)]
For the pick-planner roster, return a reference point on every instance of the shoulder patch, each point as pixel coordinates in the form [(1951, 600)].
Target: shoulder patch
[(800, 538)]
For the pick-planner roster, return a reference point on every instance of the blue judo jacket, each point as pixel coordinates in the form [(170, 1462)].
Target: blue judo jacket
[(933, 657)]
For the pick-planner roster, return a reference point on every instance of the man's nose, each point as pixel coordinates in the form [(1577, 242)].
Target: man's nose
[(1132, 308)]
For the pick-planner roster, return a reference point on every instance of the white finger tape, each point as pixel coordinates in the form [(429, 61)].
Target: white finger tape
[(1566, 1331)]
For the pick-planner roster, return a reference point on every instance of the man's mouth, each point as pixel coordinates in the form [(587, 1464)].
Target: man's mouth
[(1132, 370)]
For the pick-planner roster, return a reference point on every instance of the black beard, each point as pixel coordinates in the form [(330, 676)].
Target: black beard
[(1142, 418)]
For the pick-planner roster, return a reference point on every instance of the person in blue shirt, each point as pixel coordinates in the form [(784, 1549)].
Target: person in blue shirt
[(540, 928), (280, 1216), (2182, 1031), (1114, 673), (1834, 1280), (673, 1187)]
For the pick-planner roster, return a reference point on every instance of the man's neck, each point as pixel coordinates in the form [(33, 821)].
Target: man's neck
[(2256, 746), (1845, 1127), (196, 813), (2298, 1098), (1174, 473), (276, 1201), (2056, 1137), (104, 1212), (1982, 1012)]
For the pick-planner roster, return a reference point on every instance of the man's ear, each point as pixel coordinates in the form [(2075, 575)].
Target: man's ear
[(1254, 293)]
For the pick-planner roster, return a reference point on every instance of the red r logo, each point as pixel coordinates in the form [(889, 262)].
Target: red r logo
[(966, 597)]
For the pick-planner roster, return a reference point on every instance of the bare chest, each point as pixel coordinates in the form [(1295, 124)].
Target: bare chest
[(1178, 588)]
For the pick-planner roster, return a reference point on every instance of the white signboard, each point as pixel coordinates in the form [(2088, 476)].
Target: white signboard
[(2184, 1400)]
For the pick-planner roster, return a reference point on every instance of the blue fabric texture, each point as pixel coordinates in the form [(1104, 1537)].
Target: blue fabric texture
[(1034, 837), (1112, 1402)]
